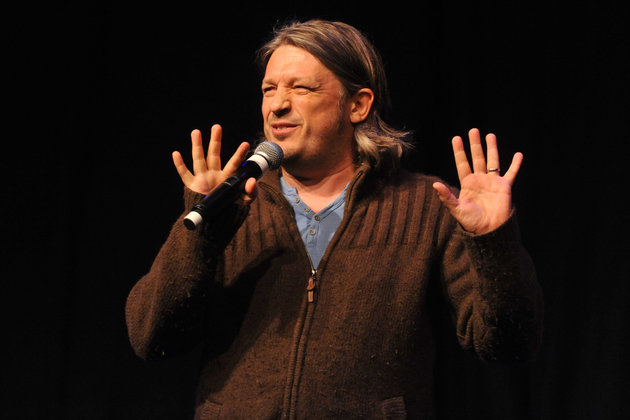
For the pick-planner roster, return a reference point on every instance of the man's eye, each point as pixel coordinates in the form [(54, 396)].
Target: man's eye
[(303, 89), (267, 91)]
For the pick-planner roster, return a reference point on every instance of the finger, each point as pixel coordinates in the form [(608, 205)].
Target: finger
[(237, 158), (214, 148), (178, 161), (251, 190), (181, 168), (493, 153), (199, 161), (476, 151), (515, 166), (461, 159)]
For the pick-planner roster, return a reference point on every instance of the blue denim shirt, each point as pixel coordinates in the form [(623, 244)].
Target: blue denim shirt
[(316, 229)]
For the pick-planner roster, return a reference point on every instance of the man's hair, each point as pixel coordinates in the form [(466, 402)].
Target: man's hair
[(353, 59)]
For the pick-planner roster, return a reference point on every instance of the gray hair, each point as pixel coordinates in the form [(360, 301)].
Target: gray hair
[(353, 59)]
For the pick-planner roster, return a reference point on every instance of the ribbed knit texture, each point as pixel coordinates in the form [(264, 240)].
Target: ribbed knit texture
[(364, 348)]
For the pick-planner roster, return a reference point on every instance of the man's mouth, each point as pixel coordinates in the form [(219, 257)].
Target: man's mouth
[(283, 128)]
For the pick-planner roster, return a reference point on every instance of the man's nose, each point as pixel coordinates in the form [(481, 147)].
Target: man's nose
[(280, 103)]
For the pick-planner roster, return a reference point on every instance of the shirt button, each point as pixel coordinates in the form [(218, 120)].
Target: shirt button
[(312, 231), (317, 218), (296, 200)]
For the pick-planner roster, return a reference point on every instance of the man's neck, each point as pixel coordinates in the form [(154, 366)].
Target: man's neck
[(319, 191)]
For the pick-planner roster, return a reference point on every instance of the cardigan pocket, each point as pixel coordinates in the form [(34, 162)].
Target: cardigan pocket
[(208, 411), (394, 409)]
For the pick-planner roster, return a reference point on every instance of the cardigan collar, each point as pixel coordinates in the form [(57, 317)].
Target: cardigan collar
[(271, 183)]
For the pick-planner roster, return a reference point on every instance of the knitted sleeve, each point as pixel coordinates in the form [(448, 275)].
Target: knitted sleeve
[(497, 302), (166, 309)]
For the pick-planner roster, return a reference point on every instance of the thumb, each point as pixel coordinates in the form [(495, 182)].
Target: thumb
[(445, 195)]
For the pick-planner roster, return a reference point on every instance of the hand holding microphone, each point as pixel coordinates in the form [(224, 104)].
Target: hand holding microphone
[(210, 179)]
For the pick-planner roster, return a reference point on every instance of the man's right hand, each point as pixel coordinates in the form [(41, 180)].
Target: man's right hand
[(207, 172)]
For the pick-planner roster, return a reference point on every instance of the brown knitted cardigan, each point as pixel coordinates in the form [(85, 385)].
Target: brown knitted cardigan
[(359, 342)]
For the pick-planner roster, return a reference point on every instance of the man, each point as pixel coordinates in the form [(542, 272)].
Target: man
[(310, 295)]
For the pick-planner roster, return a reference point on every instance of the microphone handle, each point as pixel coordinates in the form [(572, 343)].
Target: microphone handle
[(222, 195)]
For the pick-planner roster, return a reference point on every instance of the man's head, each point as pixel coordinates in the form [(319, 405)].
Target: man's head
[(344, 52)]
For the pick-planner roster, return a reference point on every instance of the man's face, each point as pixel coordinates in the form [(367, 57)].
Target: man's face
[(305, 112)]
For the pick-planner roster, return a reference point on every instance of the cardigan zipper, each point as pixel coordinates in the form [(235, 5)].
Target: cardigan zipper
[(299, 348), (302, 326), (311, 285)]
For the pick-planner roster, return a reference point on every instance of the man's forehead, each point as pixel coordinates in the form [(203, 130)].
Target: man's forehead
[(294, 63)]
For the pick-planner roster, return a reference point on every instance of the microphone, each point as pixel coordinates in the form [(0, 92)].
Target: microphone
[(266, 156)]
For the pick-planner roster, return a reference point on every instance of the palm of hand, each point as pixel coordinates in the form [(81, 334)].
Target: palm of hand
[(484, 203)]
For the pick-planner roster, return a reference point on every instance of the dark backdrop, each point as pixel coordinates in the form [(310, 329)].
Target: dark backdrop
[(100, 95)]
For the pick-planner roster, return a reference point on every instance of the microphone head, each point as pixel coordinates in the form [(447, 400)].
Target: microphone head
[(272, 153)]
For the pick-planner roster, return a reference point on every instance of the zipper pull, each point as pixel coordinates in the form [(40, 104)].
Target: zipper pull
[(310, 288)]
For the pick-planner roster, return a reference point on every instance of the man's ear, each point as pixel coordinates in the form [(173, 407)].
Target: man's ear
[(361, 104)]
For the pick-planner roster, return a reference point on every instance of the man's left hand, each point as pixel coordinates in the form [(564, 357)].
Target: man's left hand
[(485, 198)]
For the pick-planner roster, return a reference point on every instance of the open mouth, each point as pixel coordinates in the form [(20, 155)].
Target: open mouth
[(283, 129)]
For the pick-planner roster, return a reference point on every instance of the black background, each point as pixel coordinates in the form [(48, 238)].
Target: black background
[(99, 95)]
